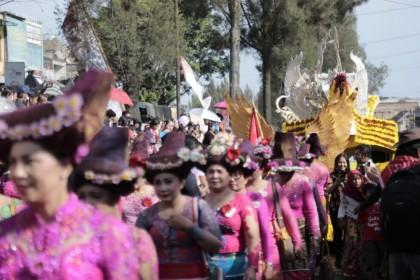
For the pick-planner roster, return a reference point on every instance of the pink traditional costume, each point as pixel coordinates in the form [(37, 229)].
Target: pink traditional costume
[(180, 255), (299, 194), (318, 174), (248, 165), (106, 169), (263, 153), (77, 241), (234, 258), (138, 201)]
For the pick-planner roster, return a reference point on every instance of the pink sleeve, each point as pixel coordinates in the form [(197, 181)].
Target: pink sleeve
[(309, 209), (254, 245), (124, 255), (267, 239), (325, 176), (290, 221)]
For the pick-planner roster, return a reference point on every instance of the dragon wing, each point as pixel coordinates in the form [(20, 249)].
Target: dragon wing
[(293, 73), (360, 81)]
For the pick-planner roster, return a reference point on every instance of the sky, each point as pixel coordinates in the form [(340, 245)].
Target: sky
[(388, 29)]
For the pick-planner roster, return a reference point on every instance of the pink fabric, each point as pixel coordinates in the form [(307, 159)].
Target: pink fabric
[(79, 243), (319, 175), (299, 193), (133, 204), (9, 189), (231, 218), (289, 221), (267, 240)]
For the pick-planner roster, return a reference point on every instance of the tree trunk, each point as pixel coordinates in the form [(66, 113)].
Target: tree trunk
[(235, 46), (266, 79)]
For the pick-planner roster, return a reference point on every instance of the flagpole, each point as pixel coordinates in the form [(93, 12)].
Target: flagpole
[(178, 74)]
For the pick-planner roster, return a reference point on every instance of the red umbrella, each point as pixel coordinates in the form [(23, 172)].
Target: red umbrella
[(121, 96)]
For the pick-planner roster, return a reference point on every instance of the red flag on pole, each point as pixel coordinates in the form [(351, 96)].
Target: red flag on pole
[(254, 128)]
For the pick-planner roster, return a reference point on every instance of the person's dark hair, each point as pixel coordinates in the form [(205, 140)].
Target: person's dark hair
[(192, 143), (409, 149), (125, 113), (364, 150), (181, 172), (77, 180), (154, 122), (220, 116), (337, 159), (245, 171), (208, 137), (110, 113)]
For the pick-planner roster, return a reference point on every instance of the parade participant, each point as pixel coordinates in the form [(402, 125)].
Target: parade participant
[(263, 187), (352, 196), (182, 227), (57, 236), (103, 177), (152, 135), (144, 195), (316, 171), (238, 258), (334, 189), (240, 176), (296, 187)]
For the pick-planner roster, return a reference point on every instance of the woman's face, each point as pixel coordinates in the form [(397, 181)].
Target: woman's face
[(342, 164), (167, 186), (29, 162), (357, 181), (237, 181), (217, 177)]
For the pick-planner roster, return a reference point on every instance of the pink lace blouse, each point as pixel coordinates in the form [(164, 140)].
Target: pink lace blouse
[(301, 198), (79, 243), (232, 222)]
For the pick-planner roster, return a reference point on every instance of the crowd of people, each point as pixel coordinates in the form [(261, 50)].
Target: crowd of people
[(88, 198)]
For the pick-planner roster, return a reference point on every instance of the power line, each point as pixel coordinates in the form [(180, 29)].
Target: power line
[(398, 54), (402, 3), (385, 11), (392, 39)]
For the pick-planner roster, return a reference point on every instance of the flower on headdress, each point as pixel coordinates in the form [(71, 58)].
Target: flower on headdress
[(265, 142), (55, 123), (20, 131), (232, 154), (228, 211), (288, 163), (35, 130), (184, 154), (273, 165), (89, 175), (250, 164), (146, 202)]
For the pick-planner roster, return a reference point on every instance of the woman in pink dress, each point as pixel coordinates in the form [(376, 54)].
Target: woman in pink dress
[(183, 228), (263, 188), (57, 236), (144, 195), (104, 176), (239, 256), (241, 175), (297, 189)]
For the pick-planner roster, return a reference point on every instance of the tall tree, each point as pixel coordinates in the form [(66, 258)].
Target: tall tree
[(235, 46)]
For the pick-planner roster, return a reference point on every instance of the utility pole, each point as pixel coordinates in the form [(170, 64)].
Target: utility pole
[(178, 74)]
